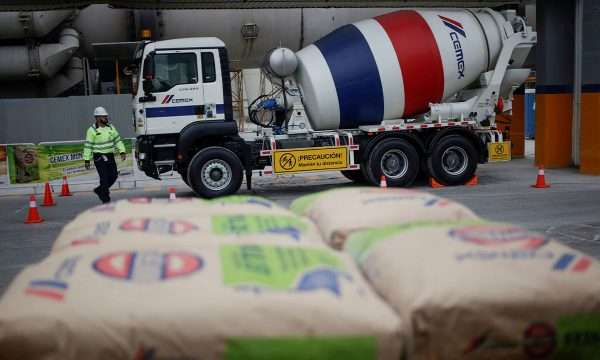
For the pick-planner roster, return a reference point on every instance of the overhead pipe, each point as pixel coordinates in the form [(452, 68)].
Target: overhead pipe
[(43, 61), (71, 75), (32, 24)]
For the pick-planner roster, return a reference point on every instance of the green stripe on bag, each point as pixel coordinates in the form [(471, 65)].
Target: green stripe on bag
[(301, 348)]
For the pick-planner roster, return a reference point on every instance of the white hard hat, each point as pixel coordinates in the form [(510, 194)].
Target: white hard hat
[(100, 111)]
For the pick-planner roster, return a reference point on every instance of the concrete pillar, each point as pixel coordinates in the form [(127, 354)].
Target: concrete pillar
[(554, 92), (589, 145)]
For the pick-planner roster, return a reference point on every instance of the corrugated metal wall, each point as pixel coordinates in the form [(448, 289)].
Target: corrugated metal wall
[(57, 119)]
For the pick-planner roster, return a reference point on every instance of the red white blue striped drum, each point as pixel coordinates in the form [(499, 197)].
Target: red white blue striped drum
[(394, 65)]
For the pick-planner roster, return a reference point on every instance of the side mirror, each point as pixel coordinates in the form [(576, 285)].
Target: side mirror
[(147, 86), (148, 73)]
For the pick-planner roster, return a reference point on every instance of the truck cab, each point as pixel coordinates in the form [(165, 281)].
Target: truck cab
[(183, 90)]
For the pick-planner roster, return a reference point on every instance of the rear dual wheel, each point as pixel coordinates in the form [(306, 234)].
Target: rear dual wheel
[(396, 159), (453, 160)]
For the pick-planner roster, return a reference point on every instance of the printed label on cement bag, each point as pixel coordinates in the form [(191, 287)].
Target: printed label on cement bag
[(259, 268), (259, 224)]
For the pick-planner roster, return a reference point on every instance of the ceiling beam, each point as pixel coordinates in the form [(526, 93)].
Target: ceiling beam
[(33, 5)]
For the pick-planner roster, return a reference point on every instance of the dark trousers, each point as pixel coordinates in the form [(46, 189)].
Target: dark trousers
[(107, 170)]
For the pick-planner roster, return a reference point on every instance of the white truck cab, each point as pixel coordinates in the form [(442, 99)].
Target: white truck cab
[(180, 82)]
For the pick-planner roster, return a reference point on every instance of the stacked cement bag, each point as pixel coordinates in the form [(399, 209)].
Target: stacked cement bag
[(230, 278), (337, 213), (211, 301), (477, 290), (186, 221)]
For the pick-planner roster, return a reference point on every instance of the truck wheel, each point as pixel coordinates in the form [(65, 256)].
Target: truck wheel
[(354, 176), (215, 171), (397, 159), (453, 160)]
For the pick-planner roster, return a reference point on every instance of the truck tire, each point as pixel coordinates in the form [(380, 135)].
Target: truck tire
[(395, 158), (355, 176), (215, 171), (453, 160)]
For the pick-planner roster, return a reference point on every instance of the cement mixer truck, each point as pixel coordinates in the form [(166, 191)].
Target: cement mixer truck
[(408, 92)]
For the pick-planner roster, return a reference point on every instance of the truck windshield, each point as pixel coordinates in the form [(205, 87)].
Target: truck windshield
[(174, 69)]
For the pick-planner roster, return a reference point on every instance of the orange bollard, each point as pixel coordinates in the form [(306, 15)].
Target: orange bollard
[(172, 196)]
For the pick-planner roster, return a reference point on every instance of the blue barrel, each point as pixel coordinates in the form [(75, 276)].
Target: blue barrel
[(530, 113)]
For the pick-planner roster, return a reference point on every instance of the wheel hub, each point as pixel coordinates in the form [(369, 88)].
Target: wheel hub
[(455, 160), (216, 174), (394, 164)]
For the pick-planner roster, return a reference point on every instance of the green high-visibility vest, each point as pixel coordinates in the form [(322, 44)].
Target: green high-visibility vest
[(102, 140)]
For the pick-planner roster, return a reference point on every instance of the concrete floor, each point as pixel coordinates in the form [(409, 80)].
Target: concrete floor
[(569, 210)]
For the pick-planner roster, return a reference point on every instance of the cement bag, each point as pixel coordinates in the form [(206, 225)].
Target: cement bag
[(223, 301), (484, 291), (183, 206), (215, 224), (339, 212), (252, 202), (139, 205)]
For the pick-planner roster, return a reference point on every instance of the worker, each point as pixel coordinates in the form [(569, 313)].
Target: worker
[(101, 141)]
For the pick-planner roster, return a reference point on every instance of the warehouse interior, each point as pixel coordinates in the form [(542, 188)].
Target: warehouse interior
[(70, 49)]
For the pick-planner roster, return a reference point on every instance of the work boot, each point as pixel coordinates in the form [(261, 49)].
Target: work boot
[(102, 198)]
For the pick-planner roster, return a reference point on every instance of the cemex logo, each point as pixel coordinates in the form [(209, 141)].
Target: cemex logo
[(453, 25), (55, 287), (47, 288), (169, 99), (456, 28), (572, 262)]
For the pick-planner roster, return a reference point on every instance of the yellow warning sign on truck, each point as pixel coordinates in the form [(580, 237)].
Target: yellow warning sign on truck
[(499, 151), (310, 159)]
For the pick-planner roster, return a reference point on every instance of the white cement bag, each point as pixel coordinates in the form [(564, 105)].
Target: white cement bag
[(139, 206), (215, 223), (484, 291), (339, 212), (224, 301), (181, 206)]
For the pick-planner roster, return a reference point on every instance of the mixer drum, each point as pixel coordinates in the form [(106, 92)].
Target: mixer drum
[(394, 65)]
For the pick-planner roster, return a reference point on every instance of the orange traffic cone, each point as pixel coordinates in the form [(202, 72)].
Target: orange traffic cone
[(33, 216), (172, 196), (434, 183), (540, 182), (48, 200), (383, 182), (64, 191)]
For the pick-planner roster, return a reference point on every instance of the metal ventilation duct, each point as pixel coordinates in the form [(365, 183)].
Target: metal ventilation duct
[(44, 61), (19, 25)]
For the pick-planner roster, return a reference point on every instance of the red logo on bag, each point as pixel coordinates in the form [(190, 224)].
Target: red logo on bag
[(540, 341), (498, 235), (161, 226), (147, 266)]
